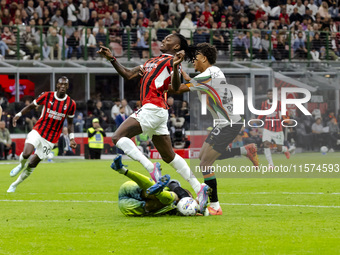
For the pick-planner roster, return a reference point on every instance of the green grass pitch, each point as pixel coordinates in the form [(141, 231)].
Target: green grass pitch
[(70, 207)]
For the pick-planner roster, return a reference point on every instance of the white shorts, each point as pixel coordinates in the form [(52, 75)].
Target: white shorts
[(152, 119), (41, 145), (270, 135)]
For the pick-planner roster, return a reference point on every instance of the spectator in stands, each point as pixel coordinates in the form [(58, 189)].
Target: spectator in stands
[(316, 47), (323, 11), (121, 117), (73, 45), (300, 50), (295, 16), (143, 141), (333, 134), (57, 17), (100, 114), (155, 13), (171, 110), (101, 38), (312, 7), (162, 32), (72, 13), (52, 42), (30, 8), (128, 110), (93, 19), (4, 47), (84, 14), (78, 122), (317, 130), (143, 45), (281, 51), (40, 9), (91, 43), (115, 108), (258, 52), (30, 118), (238, 46), (6, 143), (8, 38), (187, 27), (64, 148), (69, 29), (200, 36)]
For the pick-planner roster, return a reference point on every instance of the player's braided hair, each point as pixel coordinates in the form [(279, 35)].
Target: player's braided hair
[(190, 50), (209, 51)]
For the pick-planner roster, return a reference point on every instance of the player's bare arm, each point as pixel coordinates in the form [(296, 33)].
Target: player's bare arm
[(185, 76), (182, 89), (126, 73), (0, 112), (175, 79), (70, 128), (26, 109)]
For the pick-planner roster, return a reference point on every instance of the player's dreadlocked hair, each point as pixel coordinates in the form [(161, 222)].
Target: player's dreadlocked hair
[(190, 50), (209, 51)]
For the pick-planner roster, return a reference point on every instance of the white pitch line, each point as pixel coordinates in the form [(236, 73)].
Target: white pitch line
[(114, 202), (59, 201), (281, 205), (278, 193)]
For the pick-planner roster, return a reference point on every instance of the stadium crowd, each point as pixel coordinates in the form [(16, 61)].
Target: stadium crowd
[(256, 29)]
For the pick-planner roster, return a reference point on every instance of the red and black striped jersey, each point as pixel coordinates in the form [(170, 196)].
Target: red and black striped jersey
[(54, 112), (272, 122), (156, 80)]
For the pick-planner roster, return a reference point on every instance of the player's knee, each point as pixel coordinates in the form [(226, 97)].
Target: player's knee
[(167, 158), (26, 155), (115, 138)]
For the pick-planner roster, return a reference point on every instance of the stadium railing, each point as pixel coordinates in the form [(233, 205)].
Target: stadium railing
[(145, 43)]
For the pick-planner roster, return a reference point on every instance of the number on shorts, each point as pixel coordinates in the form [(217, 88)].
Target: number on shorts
[(46, 150)]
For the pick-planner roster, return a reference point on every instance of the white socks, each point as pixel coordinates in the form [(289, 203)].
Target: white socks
[(22, 161), (268, 155), (27, 172), (243, 151), (215, 205), (132, 151), (183, 169)]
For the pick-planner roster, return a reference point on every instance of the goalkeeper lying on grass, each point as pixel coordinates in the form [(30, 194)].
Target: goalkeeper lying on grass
[(143, 197)]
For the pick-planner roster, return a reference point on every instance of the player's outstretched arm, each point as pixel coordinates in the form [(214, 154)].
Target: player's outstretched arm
[(175, 79), (0, 112), (182, 89), (70, 128), (26, 109), (126, 73)]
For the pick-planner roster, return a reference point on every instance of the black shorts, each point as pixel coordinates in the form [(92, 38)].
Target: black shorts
[(220, 138)]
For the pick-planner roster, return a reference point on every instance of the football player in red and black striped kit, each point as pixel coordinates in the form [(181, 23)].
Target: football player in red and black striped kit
[(272, 129), (57, 106), (152, 118)]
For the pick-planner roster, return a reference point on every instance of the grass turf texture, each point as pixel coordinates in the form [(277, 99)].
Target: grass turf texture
[(70, 207)]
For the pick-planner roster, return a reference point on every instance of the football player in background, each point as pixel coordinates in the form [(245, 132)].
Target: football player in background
[(272, 130), (57, 106)]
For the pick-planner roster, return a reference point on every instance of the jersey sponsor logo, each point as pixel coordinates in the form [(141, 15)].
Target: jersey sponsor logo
[(55, 115), (51, 103), (65, 107)]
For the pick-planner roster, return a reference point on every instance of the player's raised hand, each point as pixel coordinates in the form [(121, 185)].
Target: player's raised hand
[(73, 144), (105, 52), (141, 71), (179, 57), (15, 119), (185, 75)]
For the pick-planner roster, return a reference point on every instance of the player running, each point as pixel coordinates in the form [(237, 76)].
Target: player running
[(272, 129), (211, 81), (46, 132), (143, 197), (152, 118)]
